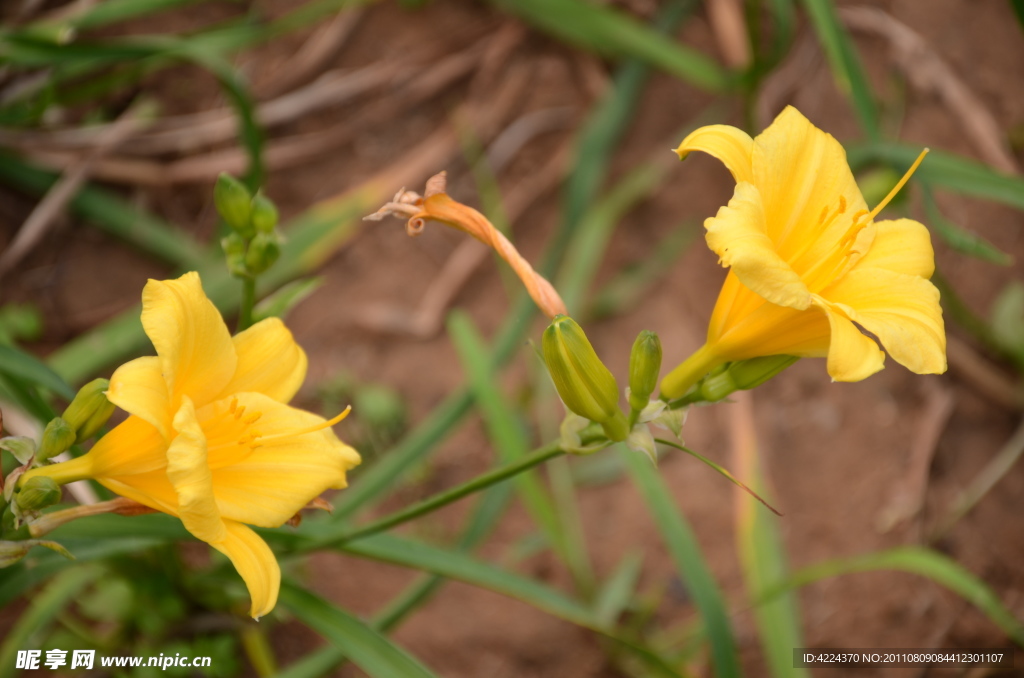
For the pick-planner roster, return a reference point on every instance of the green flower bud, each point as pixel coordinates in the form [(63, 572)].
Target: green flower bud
[(264, 214), (37, 493), (743, 375), (22, 447), (644, 366), (233, 202), (750, 373), (234, 252), (90, 409), (263, 252), (581, 379), (57, 438)]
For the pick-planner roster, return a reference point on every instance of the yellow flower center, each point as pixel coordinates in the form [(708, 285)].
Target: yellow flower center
[(231, 436)]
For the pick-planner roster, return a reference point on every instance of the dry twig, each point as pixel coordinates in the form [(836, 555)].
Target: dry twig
[(316, 51), (909, 497), (987, 379), (730, 29), (927, 71), (57, 198), (982, 483)]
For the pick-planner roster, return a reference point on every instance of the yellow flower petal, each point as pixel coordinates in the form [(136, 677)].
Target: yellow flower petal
[(901, 246), (133, 446), (737, 235), (802, 173), (196, 353), (269, 362), (268, 480), (138, 387), (852, 356), (190, 475), (901, 310), (730, 145), (776, 330), (256, 564)]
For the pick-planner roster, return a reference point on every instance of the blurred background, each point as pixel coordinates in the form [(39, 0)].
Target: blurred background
[(555, 118)]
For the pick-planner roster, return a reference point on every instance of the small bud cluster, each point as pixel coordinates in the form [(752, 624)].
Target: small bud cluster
[(254, 243), (23, 500), (591, 394)]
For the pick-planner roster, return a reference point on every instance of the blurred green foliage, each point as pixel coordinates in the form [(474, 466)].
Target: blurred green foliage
[(135, 590)]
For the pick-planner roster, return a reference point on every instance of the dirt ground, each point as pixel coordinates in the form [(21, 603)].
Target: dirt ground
[(837, 454)]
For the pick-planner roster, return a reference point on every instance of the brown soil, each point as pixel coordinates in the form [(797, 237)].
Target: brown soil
[(837, 454)]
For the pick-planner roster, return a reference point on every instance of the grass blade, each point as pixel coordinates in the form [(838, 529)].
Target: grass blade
[(626, 289), (508, 437), (16, 363), (604, 128), (693, 569), (460, 567), (960, 239), (588, 247), (616, 34), (761, 551), (845, 62), (925, 563), (943, 169), (43, 608), (618, 589), (369, 650), (454, 565)]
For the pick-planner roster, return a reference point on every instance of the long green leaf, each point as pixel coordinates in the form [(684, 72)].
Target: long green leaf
[(693, 569), (960, 239), (41, 611), (618, 589), (845, 62), (17, 363), (372, 652), (460, 567), (925, 563), (508, 436), (588, 247), (943, 169), (39, 565), (616, 34), (762, 553), (603, 130), (113, 11), (1018, 10), (453, 565)]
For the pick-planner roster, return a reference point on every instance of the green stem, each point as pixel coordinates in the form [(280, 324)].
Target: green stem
[(441, 500), (689, 372), (248, 302)]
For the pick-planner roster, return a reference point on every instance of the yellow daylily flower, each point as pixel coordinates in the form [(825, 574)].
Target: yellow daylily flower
[(808, 264), (210, 438)]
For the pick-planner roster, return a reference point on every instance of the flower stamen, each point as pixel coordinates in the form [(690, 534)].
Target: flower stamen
[(899, 185), (312, 429)]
